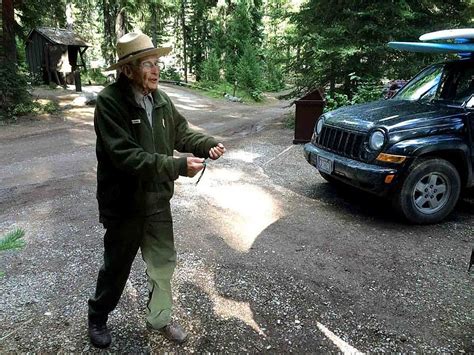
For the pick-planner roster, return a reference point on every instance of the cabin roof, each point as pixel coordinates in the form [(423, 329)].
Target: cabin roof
[(60, 36)]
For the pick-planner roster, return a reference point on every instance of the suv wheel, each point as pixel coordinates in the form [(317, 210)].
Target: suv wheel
[(430, 191)]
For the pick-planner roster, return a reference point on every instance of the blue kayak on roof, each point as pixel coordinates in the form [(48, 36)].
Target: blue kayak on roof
[(427, 47)]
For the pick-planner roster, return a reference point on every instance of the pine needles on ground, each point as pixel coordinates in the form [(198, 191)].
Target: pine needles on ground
[(12, 240)]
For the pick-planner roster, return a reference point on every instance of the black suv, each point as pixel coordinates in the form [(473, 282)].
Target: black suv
[(416, 148)]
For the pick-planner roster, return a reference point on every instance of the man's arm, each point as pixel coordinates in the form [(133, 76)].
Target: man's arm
[(189, 141)]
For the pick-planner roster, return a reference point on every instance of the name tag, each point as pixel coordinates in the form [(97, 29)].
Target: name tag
[(136, 121)]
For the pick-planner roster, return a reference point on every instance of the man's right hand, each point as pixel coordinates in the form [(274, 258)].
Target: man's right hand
[(195, 165)]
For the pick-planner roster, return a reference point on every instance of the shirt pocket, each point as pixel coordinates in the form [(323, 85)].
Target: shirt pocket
[(141, 131)]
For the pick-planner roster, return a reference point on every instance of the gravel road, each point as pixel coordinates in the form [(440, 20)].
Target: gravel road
[(271, 257)]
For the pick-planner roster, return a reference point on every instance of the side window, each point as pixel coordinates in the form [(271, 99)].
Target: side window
[(458, 86), (465, 86), (423, 87)]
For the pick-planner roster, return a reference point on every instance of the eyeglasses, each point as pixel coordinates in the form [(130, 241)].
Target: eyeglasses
[(149, 65)]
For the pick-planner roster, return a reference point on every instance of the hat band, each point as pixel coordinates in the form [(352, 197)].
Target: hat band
[(134, 53)]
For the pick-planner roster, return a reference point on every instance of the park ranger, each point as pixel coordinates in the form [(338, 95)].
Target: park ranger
[(138, 128)]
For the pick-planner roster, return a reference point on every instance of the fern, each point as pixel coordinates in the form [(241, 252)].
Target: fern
[(12, 240)]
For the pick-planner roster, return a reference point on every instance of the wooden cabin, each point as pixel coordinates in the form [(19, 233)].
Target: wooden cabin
[(55, 54)]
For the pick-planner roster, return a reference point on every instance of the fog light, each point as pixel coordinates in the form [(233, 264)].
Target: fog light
[(389, 178), (390, 158)]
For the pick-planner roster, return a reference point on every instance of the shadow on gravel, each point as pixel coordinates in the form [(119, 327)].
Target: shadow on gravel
[(212, 332), (351, 201), (348, 200)]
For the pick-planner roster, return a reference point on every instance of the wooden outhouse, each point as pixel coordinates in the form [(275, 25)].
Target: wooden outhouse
[(55, 54)]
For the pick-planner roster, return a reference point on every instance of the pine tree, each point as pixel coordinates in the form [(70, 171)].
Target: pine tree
[(337, 41)]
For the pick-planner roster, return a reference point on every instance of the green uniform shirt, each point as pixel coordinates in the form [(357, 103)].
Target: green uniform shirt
[(136, 168)]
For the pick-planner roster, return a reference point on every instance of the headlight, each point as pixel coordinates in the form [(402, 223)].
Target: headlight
[(376, 140), (319, 126)]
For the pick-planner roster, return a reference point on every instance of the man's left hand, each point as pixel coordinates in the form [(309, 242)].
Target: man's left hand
[(217, 151)]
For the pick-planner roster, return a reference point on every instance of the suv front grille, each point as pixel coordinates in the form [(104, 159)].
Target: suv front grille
[(341, 141)]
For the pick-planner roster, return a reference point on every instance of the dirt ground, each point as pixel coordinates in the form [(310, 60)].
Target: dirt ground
[(271, 257)]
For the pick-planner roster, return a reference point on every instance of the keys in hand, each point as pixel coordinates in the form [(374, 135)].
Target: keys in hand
[(195, 165)]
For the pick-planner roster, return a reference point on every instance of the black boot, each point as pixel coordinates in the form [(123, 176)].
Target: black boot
[(99, 334)]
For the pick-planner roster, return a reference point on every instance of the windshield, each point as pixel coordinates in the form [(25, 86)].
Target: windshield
[(423, 86), (450, 84)]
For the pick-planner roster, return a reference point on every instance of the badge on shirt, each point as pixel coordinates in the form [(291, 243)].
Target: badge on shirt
[(136, 121)]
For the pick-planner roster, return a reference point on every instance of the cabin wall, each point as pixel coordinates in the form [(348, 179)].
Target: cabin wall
[(35, 50)]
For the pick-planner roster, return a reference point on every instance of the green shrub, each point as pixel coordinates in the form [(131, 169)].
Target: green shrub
[(210, 69), (336, 100), (249, 73), (12, 240), (274, 79), (290, 120), (51, 107), (257, 95), (35, 79), (25, 108), (93, 76), (170, 73), (366, 92), (14, 96), (230, 75)]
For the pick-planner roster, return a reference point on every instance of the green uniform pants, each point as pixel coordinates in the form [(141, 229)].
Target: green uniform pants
[(154, 236)]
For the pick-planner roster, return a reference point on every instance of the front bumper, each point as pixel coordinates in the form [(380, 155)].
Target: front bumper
[(368, 177)]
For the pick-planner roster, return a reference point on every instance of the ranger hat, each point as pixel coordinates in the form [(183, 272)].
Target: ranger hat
[(135, 45)]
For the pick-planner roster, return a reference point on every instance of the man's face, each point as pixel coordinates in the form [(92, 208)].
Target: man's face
[(146, 74)]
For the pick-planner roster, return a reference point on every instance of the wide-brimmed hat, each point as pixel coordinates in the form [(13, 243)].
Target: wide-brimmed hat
[(135, 45)]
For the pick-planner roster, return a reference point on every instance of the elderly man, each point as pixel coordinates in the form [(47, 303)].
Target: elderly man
[(137, 128)]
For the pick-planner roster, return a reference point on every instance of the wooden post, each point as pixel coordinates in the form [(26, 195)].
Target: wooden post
[(77, 80)]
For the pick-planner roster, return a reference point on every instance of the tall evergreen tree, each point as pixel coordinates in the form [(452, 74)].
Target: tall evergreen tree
[(8, 53), (45, 13), (199, 39), (338, 40), (13, 84)]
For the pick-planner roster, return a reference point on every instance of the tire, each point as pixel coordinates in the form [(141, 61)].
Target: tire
[(429, 192)]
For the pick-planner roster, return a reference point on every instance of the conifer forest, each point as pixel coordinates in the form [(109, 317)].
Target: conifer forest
[(251, 46)]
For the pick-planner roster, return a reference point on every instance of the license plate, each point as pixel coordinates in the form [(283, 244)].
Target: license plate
[(325, 165)]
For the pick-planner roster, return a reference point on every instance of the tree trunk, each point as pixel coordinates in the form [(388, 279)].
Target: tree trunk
[(121, 23), (2, 50), (183, 27), (108, 46), (8, 32), (347, 87), (153, 25), (69, 17)]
